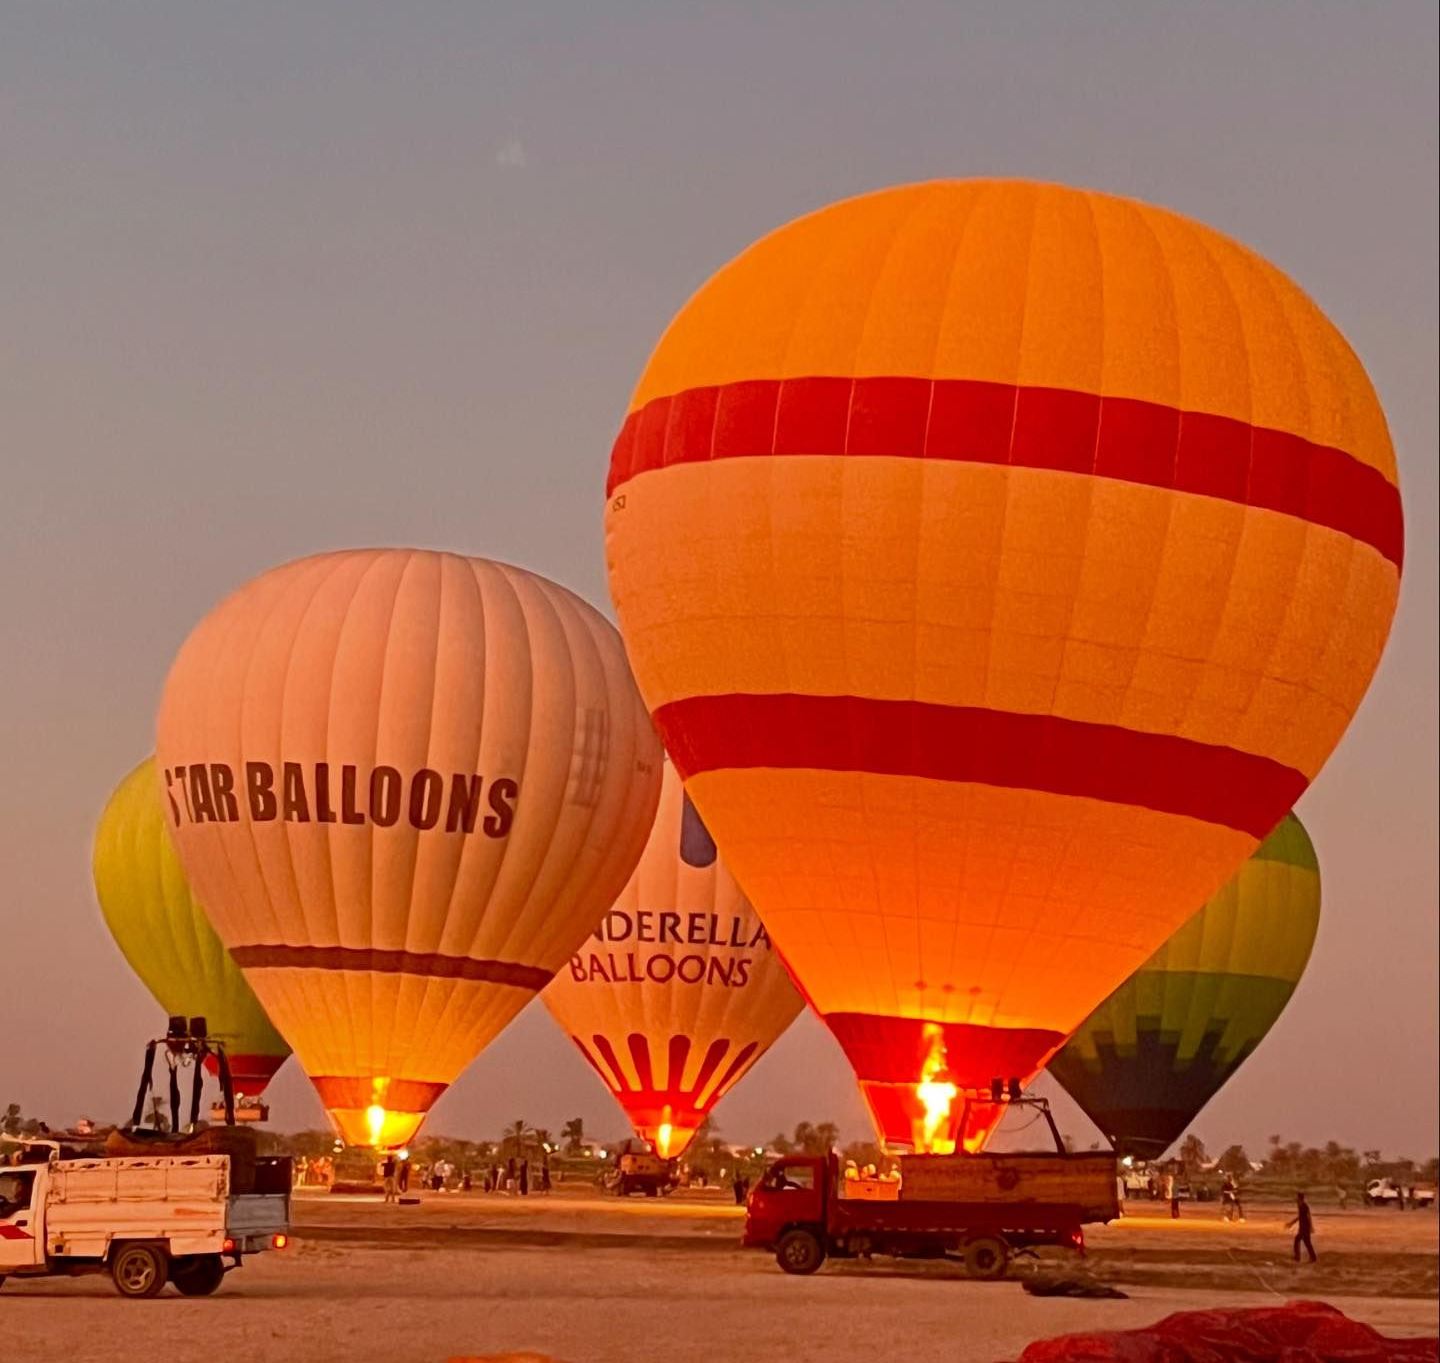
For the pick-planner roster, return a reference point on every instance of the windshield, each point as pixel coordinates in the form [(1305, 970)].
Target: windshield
[(15, 1191), (791, 1177)]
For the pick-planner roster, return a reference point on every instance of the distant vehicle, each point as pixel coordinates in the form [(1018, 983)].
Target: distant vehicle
[(1381, 1191), (144, 1220), (978, 1209), (643, 1171)]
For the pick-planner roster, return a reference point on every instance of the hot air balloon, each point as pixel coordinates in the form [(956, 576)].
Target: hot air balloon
[(678, 993), (405, 785), (999, 562), (164, 935), (1145, 1062)]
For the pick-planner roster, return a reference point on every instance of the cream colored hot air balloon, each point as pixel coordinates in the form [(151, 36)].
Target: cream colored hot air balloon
[(164, 935), (405, 785), (678, 993)]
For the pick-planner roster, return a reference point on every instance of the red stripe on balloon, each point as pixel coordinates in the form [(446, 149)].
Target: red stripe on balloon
[(713, 1056), (397, 1095), (640, 1055), (607, 1054), (987, 747), (892, 1050), (375, 961), (250, 1073), (971, 421), (737, 1066)]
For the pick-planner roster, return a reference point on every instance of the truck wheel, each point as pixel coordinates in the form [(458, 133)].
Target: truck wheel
[(198, 1277), (138, 1271), (651, 1190), (799, 1252), (986, 1258)]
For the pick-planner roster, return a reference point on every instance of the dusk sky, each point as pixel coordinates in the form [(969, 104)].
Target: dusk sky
[(276, 279)]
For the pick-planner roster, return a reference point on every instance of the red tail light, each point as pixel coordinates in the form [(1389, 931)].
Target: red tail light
[(1077, 1239), (279, 1241), (228, 1247)]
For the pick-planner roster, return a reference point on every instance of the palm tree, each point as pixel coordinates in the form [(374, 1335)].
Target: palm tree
[(517, 1136), (573, 1134), (1192, 1154)]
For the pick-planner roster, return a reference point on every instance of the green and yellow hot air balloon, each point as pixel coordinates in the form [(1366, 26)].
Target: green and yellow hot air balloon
[(165, 936), (1145, 1062)]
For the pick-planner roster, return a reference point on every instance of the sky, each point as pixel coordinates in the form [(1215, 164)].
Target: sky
[(282, 278)]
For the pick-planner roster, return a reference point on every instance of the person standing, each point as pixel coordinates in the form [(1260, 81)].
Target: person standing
[(1172, 1195), (1230, 1199), (387, 1175), (1303, 1227), (524, 1178)]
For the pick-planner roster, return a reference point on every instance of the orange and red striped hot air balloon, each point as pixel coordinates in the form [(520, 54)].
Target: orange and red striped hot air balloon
[(405, 785), (999, 562), (678, 992)]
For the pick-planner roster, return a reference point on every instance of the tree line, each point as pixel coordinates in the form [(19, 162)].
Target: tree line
[(1284, 1161)]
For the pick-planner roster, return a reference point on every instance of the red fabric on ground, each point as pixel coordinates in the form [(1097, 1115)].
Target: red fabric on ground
[(1299, 1332)]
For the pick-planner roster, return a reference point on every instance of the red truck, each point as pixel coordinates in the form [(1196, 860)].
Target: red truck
[(974, 1208)]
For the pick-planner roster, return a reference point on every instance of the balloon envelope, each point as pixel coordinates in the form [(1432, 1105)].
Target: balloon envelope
[(678, 992), (999, 562), (1145, 1062), (164, 934), (406, 785)]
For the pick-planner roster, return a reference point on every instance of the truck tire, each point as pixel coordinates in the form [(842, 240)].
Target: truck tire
[(986, 1258), (139, 1270), (651, 1190), (198, 1277), (799, 1252)]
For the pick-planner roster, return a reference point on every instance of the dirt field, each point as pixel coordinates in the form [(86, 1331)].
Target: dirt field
[(594, 1280)]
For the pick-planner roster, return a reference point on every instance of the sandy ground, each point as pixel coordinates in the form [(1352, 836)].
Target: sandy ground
[(599, 1281)]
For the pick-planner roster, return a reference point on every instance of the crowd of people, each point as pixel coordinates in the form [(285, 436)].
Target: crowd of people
[(513, 1178)]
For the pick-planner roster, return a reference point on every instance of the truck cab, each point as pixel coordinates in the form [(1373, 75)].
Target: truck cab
[(790, 1194)]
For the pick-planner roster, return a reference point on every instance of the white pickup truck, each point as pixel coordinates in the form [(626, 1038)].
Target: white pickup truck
[(1381, 1192), (144, 1220)]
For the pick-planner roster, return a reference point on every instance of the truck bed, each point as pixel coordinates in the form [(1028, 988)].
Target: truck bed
[(91, 1202), (1085, 1183), (956, 1217)]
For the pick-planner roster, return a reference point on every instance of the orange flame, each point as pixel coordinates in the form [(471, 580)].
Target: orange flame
[(937, 1095)]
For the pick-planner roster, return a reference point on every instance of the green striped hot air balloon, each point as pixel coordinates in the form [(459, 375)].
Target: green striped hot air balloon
[(1145, 1062), (164, 934)]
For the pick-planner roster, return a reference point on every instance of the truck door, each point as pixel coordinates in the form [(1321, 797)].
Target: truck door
[(790, 1192), (20, 1243)]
